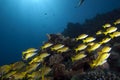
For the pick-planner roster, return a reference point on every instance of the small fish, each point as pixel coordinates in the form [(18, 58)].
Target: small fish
[(43, 55), (46, 45), (117, 22), (34, 75), (29, 51), (110, 30), (105, 40), (80, 47), (101, 63), (36, 60), (57, 46), (45, 70), (61, 50), (105, 49), (82, 36), (99, 32), (79, 56), (8, 75), (19, 75), (29, 55), (101, 58), (94, 47), (107, 25), (5, 69), (115, 34), (91, 43), (88, 39), (17, 65), (39, 58), (32, 67)]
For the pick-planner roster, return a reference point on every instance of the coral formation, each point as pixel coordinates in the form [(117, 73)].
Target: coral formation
[(97, 75)]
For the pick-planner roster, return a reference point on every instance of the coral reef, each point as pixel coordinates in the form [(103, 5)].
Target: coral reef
[(97, 75)]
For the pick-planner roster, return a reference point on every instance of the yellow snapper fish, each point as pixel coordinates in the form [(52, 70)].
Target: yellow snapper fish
[(90, 43), (79, 56), (46, 45), (19, 75), (29, 55), (117, 22), (32, 67), (106, 49), (101, 58), (17, 65), (8, 75), (92, 65), (80, 47), (36, 59), (106, 25), (43, 55), (82, 36), (88, 39), (99, 32), (44, 71), (29, 50), (39, 58), (5, 69), (34, 75), (101, 63), (110, 30), (63, 49), (105, 40), (115, 34), (94, 47), (57, 46)]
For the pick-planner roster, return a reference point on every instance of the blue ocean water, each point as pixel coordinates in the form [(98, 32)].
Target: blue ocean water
[(25, 23)]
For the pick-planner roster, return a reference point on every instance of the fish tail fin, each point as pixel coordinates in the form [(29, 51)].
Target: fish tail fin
[(89, 50), (23, 52), (111, 36), (43, 77), (76, 39), (28, 75), (52, 49), (30, 62), (101, 42), (115, 23), (83, 41), (72, 59), (76, 50), (105, 33), (91, 65), (58, 52), (103, 26)]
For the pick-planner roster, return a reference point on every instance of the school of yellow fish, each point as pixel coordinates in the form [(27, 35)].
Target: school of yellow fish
[(20, 69)]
